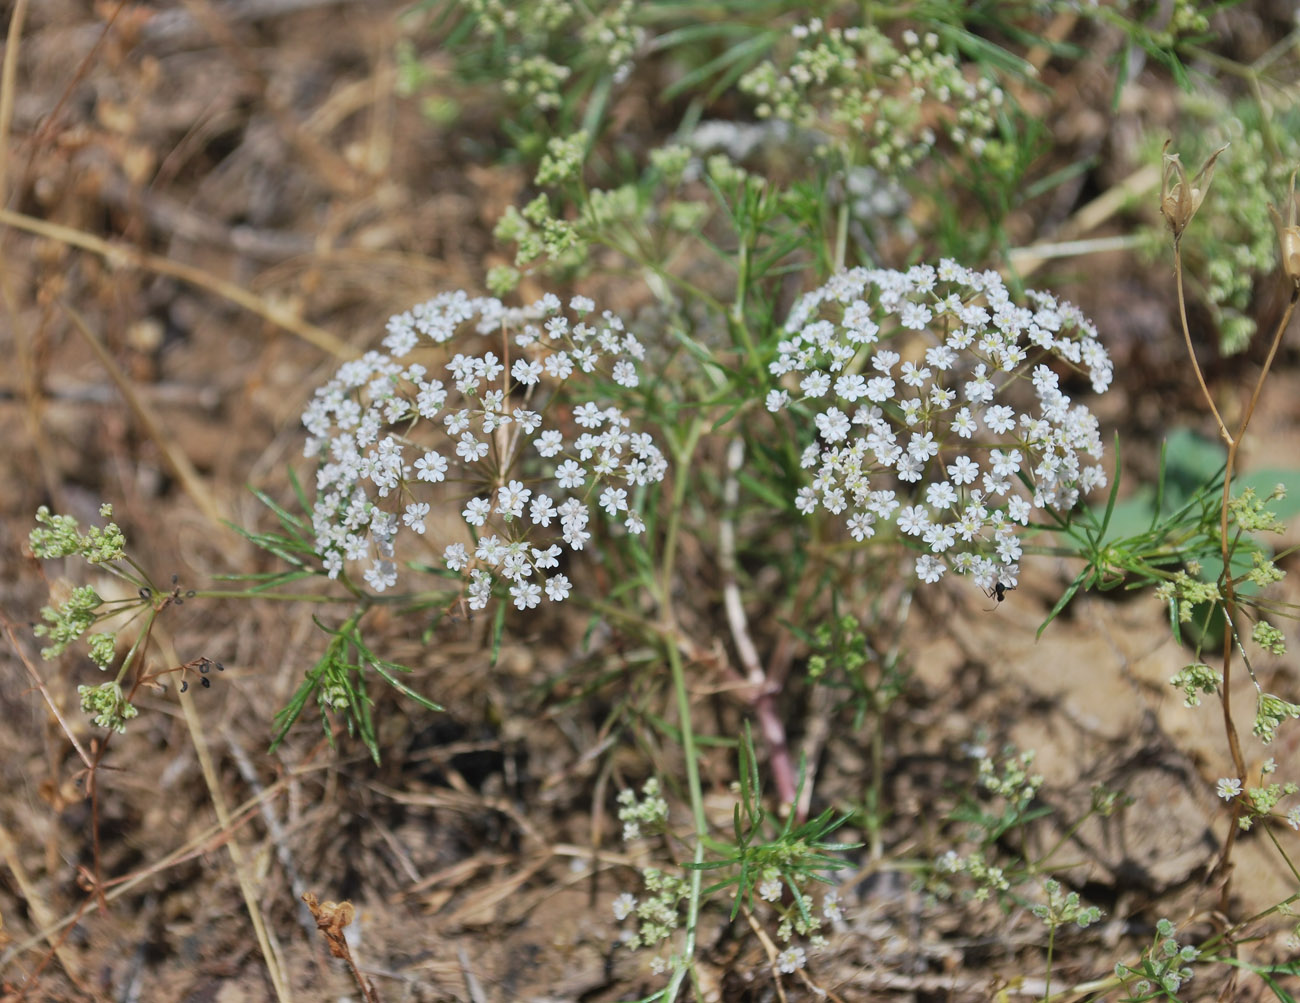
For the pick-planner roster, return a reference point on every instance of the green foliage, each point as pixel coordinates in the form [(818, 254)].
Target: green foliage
[(1168, 536), (339, 683), (1165, 967), (790, 856)]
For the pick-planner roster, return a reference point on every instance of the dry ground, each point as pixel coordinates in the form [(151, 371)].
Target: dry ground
[(233, 194)]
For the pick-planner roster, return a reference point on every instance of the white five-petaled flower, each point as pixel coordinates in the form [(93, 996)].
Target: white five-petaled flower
[(1228, 788)]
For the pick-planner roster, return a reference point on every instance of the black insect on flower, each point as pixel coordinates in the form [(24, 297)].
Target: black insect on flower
[(998, 592)]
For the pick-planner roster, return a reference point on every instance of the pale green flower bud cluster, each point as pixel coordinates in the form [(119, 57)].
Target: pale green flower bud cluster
[(563, 160), (1187, 593), (671, 161), (1251, 514), (611, 34), (103, 649), (537, 231), (1164, 968), (938, 408), (398, 444), (1270, 713), (1014, 782), (546, 38), (1264, 570), (62, 537), (535, 80), (1269, 638), (1064, 907), (889, 102), (108, 705), (989, 879), (69, 620), (1194, 680), (1260, 801), (658, 913)]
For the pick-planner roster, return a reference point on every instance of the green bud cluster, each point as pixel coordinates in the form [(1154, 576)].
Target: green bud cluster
[(536, 81), (1263, 799), (1269, 638), (1194, 680), (988, 878), (563, 160), (108, 705), (659, 913), (69, 620), (1270, 713), (546, 40), (1062, 908), (62, 537), (1165, 966), (1187, 592), (1250, 512), (1015, 783)]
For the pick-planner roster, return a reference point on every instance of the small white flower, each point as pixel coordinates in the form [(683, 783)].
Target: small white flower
[(792, 959), (526, 594), (526, 372), (381, 575), (570, 475), (476, 511), (470, 449), (1229, 788), (455, 556), (414, 516), (929, 569), (624, 905), (613, 500), (511, 499), (431, 467), (588, 415)]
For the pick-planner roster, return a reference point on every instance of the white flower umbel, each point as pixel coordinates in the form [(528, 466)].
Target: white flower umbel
[(508, 438), (938, 408)]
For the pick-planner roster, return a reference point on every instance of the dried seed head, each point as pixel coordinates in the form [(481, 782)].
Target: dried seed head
[(1288, 236), (1180, 200)]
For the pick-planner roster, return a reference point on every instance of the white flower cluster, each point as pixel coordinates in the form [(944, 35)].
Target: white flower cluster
[(913, 380), (394, 441), (893, 102)]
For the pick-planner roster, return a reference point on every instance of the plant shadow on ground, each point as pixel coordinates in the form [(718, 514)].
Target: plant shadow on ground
[(279, 159)]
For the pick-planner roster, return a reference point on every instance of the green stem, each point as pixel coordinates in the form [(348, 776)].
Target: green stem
[(683, 452), (283, 596), (697, 810)]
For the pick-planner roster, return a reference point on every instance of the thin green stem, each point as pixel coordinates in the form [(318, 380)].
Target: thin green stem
[(283, 596), (683, 451)]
